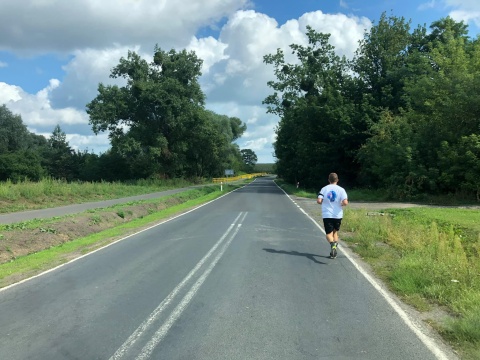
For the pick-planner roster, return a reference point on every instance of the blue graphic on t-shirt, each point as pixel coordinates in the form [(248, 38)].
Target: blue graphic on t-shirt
[(332, 195)]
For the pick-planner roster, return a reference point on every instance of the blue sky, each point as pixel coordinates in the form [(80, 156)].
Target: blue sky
[(53, 53)]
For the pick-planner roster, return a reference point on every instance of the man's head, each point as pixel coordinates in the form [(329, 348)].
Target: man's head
[(333, 178)]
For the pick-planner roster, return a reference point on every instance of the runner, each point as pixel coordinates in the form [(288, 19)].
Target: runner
[(332, 197)]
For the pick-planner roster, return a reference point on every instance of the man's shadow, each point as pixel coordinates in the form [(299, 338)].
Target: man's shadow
[(296, 253)]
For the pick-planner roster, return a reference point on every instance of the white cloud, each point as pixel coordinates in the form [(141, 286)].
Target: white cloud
[(85, 71), (36, 109), (427, 5), (9, 93), (466, 16), (96, 143), (3, 64), (466, 10), (63, 26), (210, 50)]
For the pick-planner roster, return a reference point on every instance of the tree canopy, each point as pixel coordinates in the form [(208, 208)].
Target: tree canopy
[(157, 122), (402, 115)]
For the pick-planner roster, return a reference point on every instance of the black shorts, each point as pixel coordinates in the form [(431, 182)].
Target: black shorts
[(331, 224)]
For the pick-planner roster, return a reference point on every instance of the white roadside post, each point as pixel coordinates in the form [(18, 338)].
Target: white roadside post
[(221, 185)]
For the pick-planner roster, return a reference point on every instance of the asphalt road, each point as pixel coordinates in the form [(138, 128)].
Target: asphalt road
[(246, 276)]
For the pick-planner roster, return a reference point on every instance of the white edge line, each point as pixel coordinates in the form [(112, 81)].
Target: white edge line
[(112, 243), (431, 345)]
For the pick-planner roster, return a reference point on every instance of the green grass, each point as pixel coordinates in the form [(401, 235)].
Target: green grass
[(29, 195), (428, 256), (49, 258)]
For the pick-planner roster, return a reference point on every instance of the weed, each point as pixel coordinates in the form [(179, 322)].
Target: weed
[(96, 219)]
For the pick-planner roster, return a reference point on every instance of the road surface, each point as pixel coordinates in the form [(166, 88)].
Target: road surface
[(246, 276)]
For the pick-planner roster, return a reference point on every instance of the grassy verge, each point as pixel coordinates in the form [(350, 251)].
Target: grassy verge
[(25, 266), (429, 256), (29, 195)]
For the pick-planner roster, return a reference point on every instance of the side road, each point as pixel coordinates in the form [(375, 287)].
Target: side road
[(78, 208)]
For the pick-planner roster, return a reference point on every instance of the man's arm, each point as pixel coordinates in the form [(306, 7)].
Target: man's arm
[(320, 198), (344, 202)]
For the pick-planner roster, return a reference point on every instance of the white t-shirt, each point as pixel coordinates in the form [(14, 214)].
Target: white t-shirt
[(332, 196)]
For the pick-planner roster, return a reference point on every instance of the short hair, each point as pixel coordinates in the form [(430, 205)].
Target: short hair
[(333, 177)]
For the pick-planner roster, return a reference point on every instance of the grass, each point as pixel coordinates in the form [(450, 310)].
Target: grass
[(28, 195), (28, 265), (429, 256)]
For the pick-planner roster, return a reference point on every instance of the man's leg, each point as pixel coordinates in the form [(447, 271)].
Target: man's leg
[(335, 235), (329, 227), (330, 237)]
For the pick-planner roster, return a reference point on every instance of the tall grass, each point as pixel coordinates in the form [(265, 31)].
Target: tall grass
[(28, 195), (427, 256)]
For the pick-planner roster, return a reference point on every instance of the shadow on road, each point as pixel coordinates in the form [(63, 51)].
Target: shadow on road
[(296, 253)]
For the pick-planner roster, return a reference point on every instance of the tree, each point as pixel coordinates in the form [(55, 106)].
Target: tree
[(14, 135), (59, 157), (19, 149), (21, 165), (315, 131), (249, 157), (150, 119), (380, 63)]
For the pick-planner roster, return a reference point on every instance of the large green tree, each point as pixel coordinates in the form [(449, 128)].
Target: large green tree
[(157, 122), (150, 119), (428, 145), (315, 133), (14, 135), (59, 156), (20, 150)]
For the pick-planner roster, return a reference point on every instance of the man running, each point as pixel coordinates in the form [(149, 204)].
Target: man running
[(332, 197)]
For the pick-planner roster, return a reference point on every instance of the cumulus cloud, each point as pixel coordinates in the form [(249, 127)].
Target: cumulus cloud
[(466, 10), (40, 118), (236, 83), (209, 49), (64, 26), (36, 109), (85, 71)]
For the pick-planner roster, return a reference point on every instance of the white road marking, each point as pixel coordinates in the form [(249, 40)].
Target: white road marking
[(428, 342), (164, 304), (163, 330)]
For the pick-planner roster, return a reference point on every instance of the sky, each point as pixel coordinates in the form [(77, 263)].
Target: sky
[(54, 53)]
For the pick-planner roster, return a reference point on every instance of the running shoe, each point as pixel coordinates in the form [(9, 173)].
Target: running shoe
[(333, 253)]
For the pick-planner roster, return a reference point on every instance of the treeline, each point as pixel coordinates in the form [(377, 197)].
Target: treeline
[(402, 115), (157, 124)]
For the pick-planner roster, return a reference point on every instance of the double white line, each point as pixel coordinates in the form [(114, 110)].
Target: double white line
[(130, 346)]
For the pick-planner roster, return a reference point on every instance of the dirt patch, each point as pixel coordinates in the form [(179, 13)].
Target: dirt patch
[(23, 239)]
